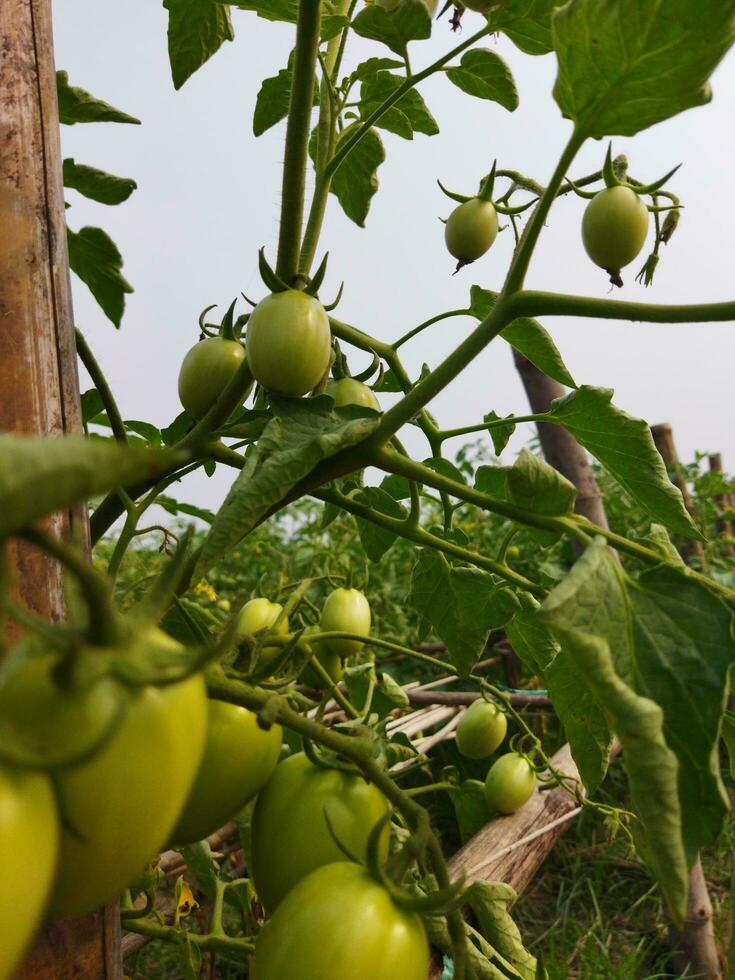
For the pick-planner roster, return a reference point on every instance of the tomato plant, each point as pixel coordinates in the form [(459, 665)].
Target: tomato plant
[(239, 758), (206, 371), (510, 783), (345, 611), (290, 833), (337, 922), (288, 342), (261, 614), (29, 832), (481, 730)]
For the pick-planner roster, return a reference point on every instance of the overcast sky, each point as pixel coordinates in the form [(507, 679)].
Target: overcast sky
[(208, 194)]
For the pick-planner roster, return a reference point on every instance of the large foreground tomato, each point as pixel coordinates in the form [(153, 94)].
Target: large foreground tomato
[(289, 342), (290, 834), (239, 758), (29, 836), (481, 730), (206, 371), (471, 229), (347, 391), (119, 806), (614, 227), (345, 611), (340, 924), (259, 614), (509, 783)]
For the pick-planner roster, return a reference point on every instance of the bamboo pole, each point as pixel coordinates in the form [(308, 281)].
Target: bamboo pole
[(38, 375)]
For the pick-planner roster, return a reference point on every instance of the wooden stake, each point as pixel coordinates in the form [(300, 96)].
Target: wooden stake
[(38, 374)]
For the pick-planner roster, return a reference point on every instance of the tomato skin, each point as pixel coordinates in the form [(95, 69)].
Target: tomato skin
[(330, 661), (347, 391), (345, 611), (614, 227), (124, 800), (258, 614), (471, 229), (206, 371), (289, 342), (339, 923), (29, 832), (481, 729), (290, 835), (431, 5), (509, 783), (239, 759)]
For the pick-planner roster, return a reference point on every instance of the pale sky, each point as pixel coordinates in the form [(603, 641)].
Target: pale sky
[(208, 195)]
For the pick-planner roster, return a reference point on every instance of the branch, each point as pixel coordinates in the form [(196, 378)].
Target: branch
[(100, 382), (534, 303)]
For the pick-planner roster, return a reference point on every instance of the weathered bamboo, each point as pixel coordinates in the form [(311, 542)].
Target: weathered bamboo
[(38, 376)]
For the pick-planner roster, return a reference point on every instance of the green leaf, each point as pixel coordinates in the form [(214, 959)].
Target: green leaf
[(373, 65), (470, 807), (271, 105), (408, 115), (650, 764), (178, 428), (408, 21), (302, 434), (96, 260), (486, 76), (536, 486), (624, 445), (276, 10), (92, 405), (355, 181), (492, 480), (624, 66), (196, 30), (377, 540), (500, 434), (489, 901), (40, 476), (331, 25), (78, 106), (96, 184), (202, 867), (177, 507), (684, 649), (584, 723), (178, 618), (462, 604), (728, 737), (149, 432), (527, 23), (527, 336)]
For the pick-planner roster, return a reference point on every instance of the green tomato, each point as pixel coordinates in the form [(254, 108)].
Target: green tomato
[(614, 228), (29, 836), (345, 611), (431, 5), (330, 661), (120, 805), (290, 835), (471, 229), (259, 614), (239, 759), (509, 783), (481, 729), (512, 551), (347, 391), (206, 371), (339, 923), (289, 342)]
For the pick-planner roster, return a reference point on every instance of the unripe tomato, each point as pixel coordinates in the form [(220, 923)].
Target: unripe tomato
[(260, 614), (290, 835), (239, 759), (347, 391), (289, 342), (206, 371), (509, 783), (345, 611), (471, 229), (339, 923), (481, 729), (120, 805), (430, 5), (614, 227), (330, 661), (29, 838)]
